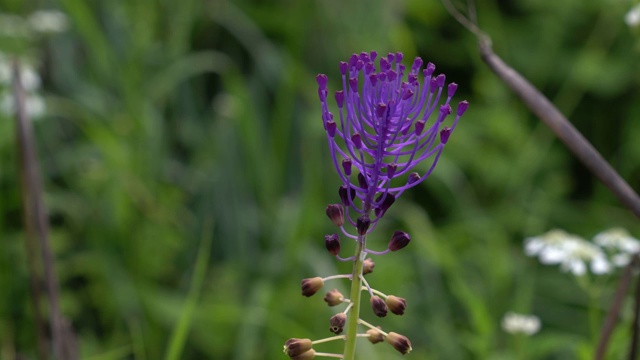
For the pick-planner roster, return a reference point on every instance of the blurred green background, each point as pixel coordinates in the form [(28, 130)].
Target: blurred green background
[(186, 175)]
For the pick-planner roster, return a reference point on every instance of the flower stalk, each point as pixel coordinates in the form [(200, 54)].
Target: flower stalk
[(356, 294)]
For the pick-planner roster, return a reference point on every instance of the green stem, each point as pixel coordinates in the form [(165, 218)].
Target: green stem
[(356, 293)]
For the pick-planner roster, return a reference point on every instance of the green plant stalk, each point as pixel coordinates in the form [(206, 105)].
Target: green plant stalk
[(356, 292)]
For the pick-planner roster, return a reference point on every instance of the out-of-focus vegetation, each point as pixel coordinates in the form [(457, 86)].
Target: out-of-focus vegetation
[(185, 130)]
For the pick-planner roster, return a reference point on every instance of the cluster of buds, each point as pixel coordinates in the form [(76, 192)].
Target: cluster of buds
[(385, 132)]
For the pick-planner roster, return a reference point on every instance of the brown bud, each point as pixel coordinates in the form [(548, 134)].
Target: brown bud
[(399, 342), (337, 322), (399, 240), (367, 266), (378, 306), (362, 224), (295, 347), (311, 286), (375, 336), (332, 243), (333, 297), (334, 212), (309, 355), (397, 305)]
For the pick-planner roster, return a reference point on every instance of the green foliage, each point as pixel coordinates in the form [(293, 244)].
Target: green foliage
[(166, 116)]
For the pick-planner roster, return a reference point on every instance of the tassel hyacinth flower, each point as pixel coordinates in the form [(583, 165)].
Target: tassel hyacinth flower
[(389, 120)]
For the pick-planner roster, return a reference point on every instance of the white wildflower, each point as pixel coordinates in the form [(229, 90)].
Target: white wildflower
[(48, 21), (34, 105), (632, 18), (620, 243), (520, 324), (573, 253)]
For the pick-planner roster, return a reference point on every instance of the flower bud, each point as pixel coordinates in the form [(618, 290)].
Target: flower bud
[(344, 195), (309, 355), (383, 206), (397, 305), (399, 342), (332, 242), (378, 306), (311, 286), (336, 324), (375, 336), (346, 166), (294, 347), (367, 266), (399, 240), (362, 224), (413, 177), (444, 134), (334, 212), (333, 297)]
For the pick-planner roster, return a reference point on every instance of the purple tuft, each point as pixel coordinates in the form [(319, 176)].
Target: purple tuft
[(452, 89), (428, 71), (357, 140), (444, 134), (441, 80), (343, 67), (413, 177), (419, 127), (399, 57), (353, 84), (353, 60), (381, 109), (322, 80), (373, 54), (346, 166), (462, 107), (417, 64), (331, 128), (391, 170), (340, 98)]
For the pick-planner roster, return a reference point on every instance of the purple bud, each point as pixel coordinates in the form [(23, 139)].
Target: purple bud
[(444, 134), (322, 80), (452, 89), (353, 84), (417, 63), (462, 107), (364, 57), (353, 60), (441, 79), (346, 166), (381, 109), (379, 306), (342, 191), (362, 182), (444, 111), (433, 85), (374, 79), (407, 93), (359, 65), (384, 64), (373, 54), (390, 57), (399, 240), (419, 127), (332, 243), (334, 212), (343, 67), (392, 75), (340, 98), (389, 199), (412, 78), (362, 224), (429, 70), (382, 76), (357, 141), (331, 128), (368, 68), (399, 57), (413, 177), (391, 170)]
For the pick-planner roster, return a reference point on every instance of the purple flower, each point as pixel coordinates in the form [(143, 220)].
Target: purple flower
[(389, 123)]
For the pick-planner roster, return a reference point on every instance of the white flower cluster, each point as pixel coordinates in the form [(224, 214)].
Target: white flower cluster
[(632, 18), (520, 324), (34, 104), (40, 22), (609, 248)]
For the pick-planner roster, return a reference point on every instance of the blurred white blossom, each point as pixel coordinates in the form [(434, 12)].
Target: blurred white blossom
[(573, 253), (620, 243), (48, 21), (13, 26), (514, 323), (632, 18), (33, 103)]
